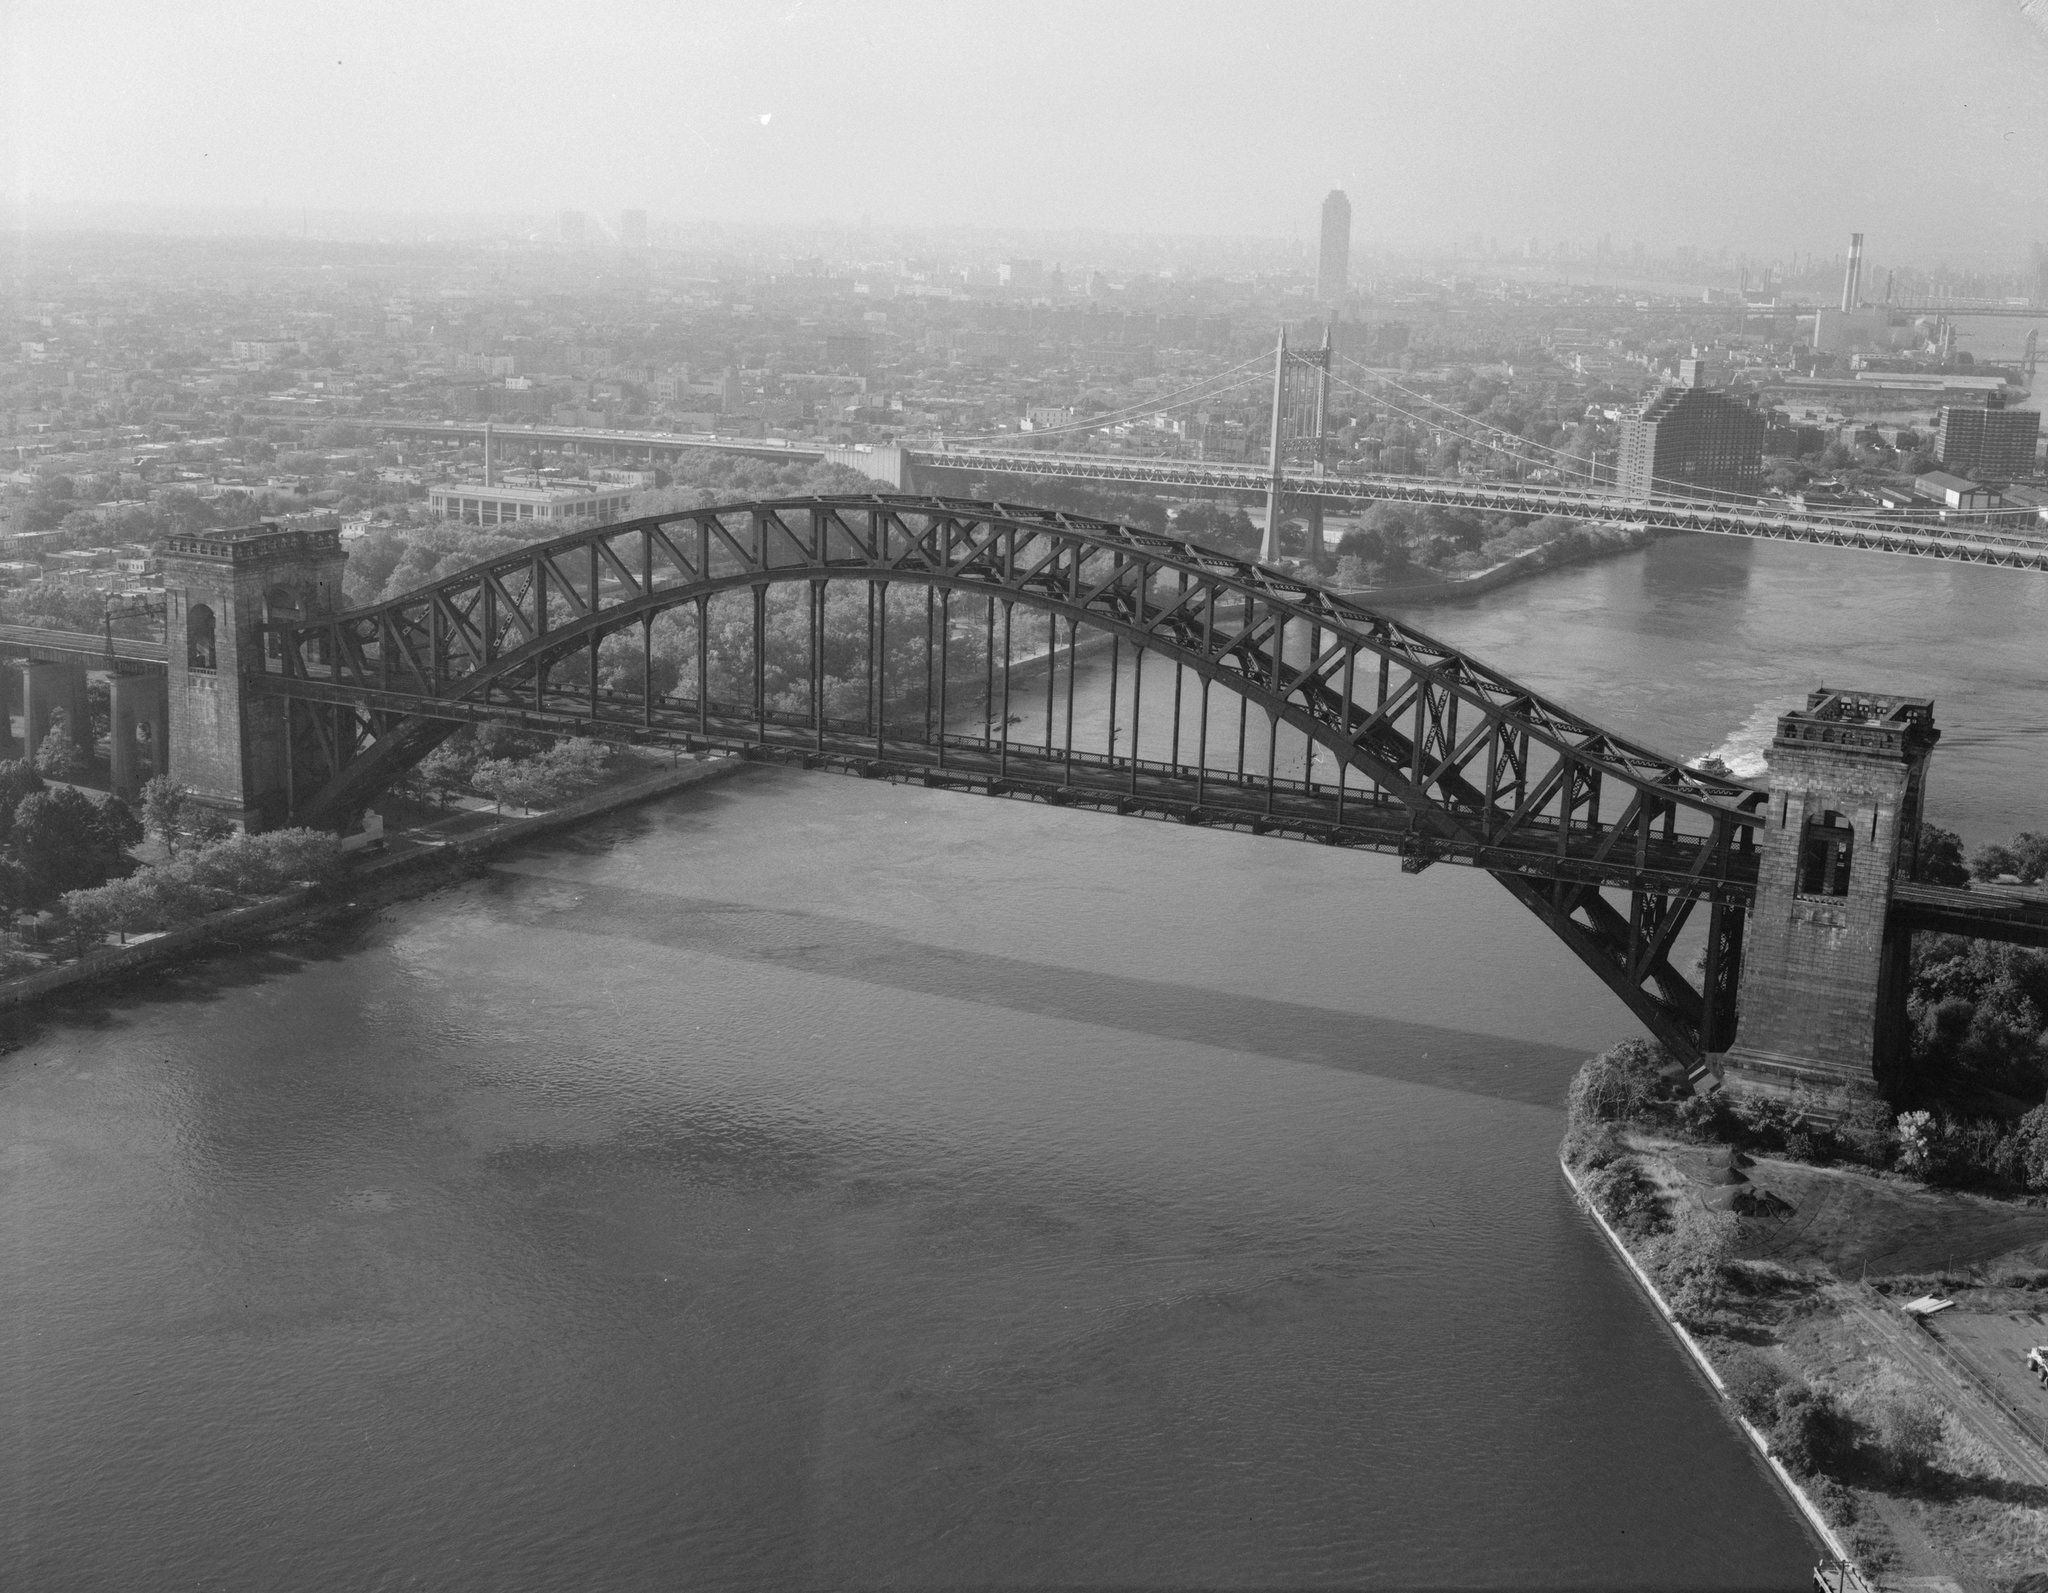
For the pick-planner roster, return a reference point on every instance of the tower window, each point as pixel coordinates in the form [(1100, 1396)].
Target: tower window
[(1824, 856), (199, 649)]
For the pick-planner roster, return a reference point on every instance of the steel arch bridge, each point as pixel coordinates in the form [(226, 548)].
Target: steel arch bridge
[(1350, 728)]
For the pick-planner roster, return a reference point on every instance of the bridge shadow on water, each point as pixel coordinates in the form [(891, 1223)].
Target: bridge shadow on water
[(1528, 1072)]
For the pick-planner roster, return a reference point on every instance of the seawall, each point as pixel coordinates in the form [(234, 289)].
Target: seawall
[(1815, 1521), (1521, 567)]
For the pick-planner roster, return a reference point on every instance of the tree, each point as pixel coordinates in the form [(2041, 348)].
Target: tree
[(58, 758), (1941, 857), (64, 841), (166, 806), (17, 780), (1809, 1431), (2027, 858), (1753, 1384)]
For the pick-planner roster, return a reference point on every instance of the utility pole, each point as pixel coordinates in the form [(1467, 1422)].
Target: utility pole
[(1269, 545)]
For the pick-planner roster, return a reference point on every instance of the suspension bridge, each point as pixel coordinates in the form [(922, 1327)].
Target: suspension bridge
[(1521, 477)]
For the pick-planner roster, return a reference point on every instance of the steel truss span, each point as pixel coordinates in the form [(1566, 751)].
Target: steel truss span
[(1238, 697)]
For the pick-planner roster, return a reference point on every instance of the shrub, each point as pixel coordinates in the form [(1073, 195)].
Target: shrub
[(1917, 1136), (1864, 1128), (1708, 1117), (58, 758), (1590, 1145), (1908, 1427), (2030, 1139), (1625, 1198), (1753, 1383), (1765, 1122), (1809, 1432), (1621, 1084), (1690, 1260)]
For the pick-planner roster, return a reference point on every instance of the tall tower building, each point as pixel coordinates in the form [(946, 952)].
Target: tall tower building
[(1333, 262)]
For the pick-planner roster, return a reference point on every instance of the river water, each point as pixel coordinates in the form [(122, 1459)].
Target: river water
[(811, 1183)]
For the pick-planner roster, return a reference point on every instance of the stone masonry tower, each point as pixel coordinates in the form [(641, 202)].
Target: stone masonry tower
[(1822, 998), (228, 742)]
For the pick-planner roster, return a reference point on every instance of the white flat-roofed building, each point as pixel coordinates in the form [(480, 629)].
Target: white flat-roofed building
[(477, 504)]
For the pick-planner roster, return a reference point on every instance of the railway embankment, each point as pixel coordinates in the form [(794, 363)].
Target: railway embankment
[(1866, 1333)]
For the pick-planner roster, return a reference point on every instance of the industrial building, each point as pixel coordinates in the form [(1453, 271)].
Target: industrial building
[(1953, 492), (1692, 439), (1993, 443), (1333, 261), (500, 503)]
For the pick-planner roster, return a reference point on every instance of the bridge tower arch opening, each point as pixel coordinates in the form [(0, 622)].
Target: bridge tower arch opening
[(228, 744), (1823, 988)]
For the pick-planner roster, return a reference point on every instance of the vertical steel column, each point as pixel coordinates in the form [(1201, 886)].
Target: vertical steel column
[(1202, 749), (704, 666), (1272, 756), (1308, 740), (1052, 662), (594, 640), (881, 661), (1344, 763), (1003, 755), (647, 668), (817, 641), (1174, 756), (868, 694), (945, 648), (1073, 643), (988, 656), (1115, 666), (760, 664), (929, 602), (1137, 705)]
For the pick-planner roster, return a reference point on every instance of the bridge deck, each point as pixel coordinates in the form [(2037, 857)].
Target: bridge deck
[(1337, 813), (1985, 913), (79, 647)]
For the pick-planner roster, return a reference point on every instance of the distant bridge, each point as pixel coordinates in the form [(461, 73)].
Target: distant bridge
[(898, 466)]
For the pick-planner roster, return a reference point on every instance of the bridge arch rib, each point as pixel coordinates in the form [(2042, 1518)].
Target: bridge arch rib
[(1423, 751)]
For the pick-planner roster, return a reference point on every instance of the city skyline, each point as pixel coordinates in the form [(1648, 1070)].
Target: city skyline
[(1585, 120)]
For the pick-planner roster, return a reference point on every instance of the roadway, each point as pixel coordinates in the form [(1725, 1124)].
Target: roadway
[(79, 647)]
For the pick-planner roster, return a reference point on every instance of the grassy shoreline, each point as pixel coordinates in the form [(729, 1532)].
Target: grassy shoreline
[(1921, 1443), (408, 867)]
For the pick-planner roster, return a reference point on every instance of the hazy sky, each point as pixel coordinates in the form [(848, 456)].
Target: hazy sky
[(1760, 124)]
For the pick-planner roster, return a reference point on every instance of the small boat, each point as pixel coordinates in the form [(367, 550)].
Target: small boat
[(1713, 765)]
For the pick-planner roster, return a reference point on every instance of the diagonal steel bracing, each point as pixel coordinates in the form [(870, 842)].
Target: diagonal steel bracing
[(1351, 728)]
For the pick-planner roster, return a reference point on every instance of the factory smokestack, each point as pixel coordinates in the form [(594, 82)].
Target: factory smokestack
[(1852, 278)]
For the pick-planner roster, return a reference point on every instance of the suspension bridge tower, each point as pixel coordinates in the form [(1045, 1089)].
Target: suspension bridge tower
[(1301, 404)]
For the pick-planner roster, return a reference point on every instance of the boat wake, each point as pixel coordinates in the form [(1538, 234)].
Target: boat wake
[(1746, 752)]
